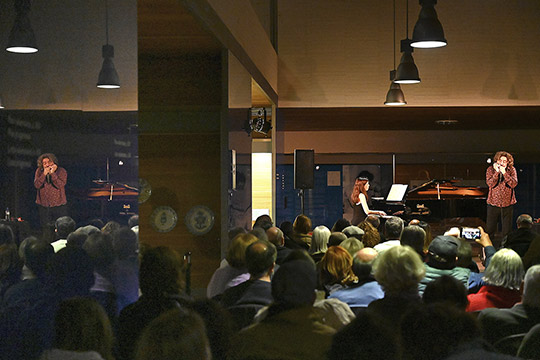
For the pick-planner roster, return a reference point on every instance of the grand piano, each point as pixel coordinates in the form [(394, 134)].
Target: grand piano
[(438, 199)]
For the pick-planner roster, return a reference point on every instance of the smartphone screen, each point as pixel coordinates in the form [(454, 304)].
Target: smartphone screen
[(470, 233)]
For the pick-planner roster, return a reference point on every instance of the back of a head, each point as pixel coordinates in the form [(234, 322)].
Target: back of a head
[(352, 245), (27, 241), (287, 228), (161, 272), (336, 267), (371, 235), (175, 334), (260, 258), (336, 238), (76, 239), (442, 252), (235, 231), (275, 236), (414, 236), (125, 243), (505, 270), (6, 235), (464, 254), (88, 230), (98, 223), (393, 227), (374, 221), (319, 239), (524, 221), (340, 224), (81, 325), (259, 232), (110, 227), (236, 254), (362, 262), (37, 254), (299, 254), (64, 226), (302, 224), (353, 231), (133, 221), (100, 248), (446, 289), (399, 269), (531, 287), (294, 283), (72, 272), (264, 221)]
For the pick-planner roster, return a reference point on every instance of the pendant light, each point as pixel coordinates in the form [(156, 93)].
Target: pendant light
[(21, 38), (428, 31), (407, 72), (395, 96), (108, 77)]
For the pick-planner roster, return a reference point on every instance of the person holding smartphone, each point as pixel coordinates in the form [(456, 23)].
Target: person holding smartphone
[(50, 181), (501, 179)]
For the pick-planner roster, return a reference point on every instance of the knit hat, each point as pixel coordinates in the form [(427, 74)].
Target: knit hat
[(294, 283), (443, 252)]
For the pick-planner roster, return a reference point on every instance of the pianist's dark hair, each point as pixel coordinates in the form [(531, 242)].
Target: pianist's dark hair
[(506, 154)]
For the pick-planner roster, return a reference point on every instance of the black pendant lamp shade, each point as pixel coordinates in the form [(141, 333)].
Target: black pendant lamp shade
[(407, 72), (395, 96), (108, 77), (21, 38), (428, 31)]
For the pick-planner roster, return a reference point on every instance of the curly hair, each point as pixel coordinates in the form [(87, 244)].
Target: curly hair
[(506, 154), (49, 156), (371, 235)]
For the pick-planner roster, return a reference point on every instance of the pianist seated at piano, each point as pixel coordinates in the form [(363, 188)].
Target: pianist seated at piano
[(359, 201)]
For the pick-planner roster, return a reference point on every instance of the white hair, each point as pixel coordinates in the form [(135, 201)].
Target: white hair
[(531, 289), (505, 269), (399, 269), (319, 239)]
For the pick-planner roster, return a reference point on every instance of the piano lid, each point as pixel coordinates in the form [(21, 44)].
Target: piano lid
[(446, 189)]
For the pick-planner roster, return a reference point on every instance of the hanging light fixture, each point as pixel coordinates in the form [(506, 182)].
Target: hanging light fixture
[(394, 96), (108, 77), (428, 31), (21, 38), (407, 72)]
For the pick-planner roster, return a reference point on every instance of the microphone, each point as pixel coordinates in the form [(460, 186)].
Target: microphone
[(48, 178)]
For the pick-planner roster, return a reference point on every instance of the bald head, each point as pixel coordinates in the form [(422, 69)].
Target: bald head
[(275, 236), (366, 255)]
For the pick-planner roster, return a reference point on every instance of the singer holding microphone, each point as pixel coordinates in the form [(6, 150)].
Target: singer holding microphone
[(50, 181), (501, 178)]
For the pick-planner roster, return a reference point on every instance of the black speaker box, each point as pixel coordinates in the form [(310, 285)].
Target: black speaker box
[(304, 167)]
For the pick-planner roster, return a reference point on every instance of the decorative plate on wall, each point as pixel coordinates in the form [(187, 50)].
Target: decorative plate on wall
[(145, 190), (163, 218), (199, 220)]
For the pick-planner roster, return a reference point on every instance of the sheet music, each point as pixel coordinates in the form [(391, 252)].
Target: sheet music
[(397, 192)]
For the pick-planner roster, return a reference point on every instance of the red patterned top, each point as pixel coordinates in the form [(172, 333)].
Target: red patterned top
[(501, 187), (51, 192)]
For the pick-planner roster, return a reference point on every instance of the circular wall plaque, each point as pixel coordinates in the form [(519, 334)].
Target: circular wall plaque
[(163, 218), (199, 220), (145, 190)]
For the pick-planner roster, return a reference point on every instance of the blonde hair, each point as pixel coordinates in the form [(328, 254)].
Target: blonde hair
[(399, 269), (505, 269), (236, 254), (336, 267)]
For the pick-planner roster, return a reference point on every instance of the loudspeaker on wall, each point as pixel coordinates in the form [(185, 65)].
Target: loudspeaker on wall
[(304, 167)]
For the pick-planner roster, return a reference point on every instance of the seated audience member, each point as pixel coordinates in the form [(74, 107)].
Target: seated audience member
[(125, 270), (371, 235), (219, 326), (441, 260), (100, 248), (499, 323), (502, 278), (520, 239), (236, 266), (245, 299), (70, 274), (162, 278), (110, 227), (414, 236), (264, 221), (352, 245), (353, 231), (302, 231), (276, 237), (438, 331), (97, 223), (465, 256), (259, 233), (82, 332), (366, 289), (448, 290), (398, 270), (291, 329), (76, 239), (287, 228), (392, 228), (6, 235), (88, 230), (319, 242), (364, 339), (427, 228), (336, 238), (133, 221), (37, 254), (176, 334), (63, 227), (335, 270), (340, 224)]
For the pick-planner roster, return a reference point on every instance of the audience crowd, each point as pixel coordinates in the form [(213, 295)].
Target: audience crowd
[(380, 289)]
